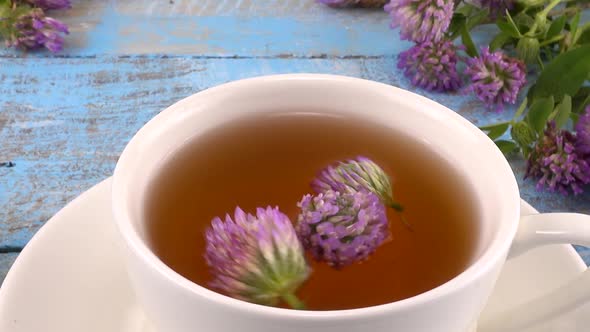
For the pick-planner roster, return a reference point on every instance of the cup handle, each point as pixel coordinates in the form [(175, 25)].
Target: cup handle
[(534, 231)]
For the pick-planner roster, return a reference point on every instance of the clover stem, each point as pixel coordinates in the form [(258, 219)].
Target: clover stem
[(293, 301)]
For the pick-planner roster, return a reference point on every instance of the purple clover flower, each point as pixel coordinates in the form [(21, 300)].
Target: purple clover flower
[(50, 4), (34, 30), (431, 66), (583, 134), (354, 3), (258, 258), (421, 20), (342, 228), (355, 175), (557, 164), (496, 78)]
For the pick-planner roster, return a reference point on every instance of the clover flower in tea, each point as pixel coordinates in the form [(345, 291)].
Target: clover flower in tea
[(421, 20), (355, 175), (257, 258), (341, 228)]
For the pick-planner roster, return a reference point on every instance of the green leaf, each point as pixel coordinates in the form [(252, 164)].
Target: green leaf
[(523, 21), (491, 126), (468, 42), (506, 147), (539, 113), (574, 24), (580, 32), (509, 29), (581, 106), (475, 19), (556, 27), (466, 9), (584, 37), (581, 100), (564, 75), (6, 20), (499, 41), (4, 9), (563, 111), (496, 130), (583, 92), (456, 26)]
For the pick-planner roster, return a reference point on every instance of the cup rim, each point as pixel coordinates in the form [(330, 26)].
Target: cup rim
[(486, 262)]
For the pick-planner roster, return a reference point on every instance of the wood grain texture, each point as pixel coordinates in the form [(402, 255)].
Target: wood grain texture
[(224, 28)]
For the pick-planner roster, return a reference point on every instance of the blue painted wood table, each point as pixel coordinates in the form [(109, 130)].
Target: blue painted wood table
[(65, 118)]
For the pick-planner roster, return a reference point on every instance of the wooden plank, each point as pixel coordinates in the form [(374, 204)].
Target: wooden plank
[(6, 261), (224, 28), (64, 121)]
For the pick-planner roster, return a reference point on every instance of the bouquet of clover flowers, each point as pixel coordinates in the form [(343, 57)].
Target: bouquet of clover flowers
[(547, 39), (25, 25), (260, 257)]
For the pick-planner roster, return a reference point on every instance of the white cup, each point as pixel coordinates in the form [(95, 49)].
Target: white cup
[(176, 304)]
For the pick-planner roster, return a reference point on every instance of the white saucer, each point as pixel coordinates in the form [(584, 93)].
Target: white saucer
[(71, 278)]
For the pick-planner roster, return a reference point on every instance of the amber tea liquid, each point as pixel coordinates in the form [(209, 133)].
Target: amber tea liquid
[(270, 159)]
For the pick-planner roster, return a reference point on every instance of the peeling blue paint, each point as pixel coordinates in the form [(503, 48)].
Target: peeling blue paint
[(230, 35)]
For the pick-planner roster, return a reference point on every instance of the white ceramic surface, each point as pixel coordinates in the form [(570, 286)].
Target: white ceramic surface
[(71, 277), (170, 299)]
